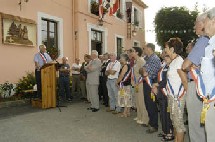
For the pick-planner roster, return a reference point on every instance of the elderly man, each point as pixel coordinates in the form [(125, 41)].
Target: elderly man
[(193, 102), (64, 79), (150, 71), (112, 72), (93, 71), (76, 76), (208, 76), (40, 59)]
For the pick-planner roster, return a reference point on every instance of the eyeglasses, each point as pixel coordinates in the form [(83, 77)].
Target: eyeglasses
[(131, 50)]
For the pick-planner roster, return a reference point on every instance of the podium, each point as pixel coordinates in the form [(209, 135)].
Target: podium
[(48, 82)]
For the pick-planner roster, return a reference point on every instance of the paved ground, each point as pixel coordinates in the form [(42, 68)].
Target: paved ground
[(73, 124)]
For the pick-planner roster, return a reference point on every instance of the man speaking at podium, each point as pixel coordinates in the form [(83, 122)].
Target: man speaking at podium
[(41, 58)]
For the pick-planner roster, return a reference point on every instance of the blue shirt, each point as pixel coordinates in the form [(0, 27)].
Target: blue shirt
[(198, 50), (153, 65), (64, 73), (39, 60)]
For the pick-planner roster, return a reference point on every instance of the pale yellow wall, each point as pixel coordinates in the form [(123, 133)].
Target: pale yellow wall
[(16, 60), (112, 24)]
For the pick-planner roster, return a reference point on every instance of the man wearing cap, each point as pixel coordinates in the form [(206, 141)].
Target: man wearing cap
[(64, 79), (40, 59), (76, 76)]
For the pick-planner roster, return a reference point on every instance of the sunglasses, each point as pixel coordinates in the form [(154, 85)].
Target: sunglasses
[(131, 50)]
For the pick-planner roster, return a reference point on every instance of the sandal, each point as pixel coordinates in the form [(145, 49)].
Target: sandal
[(161, 135), (168, 138), (123, 115)]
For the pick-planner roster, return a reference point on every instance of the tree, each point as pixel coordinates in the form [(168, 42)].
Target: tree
[(175, 22)]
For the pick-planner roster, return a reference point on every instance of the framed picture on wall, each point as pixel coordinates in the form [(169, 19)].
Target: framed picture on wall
[(18, 31)]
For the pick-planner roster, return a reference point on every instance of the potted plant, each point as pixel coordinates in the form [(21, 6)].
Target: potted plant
[(25, 83), (6, 89), (119, 14), (136, 23), (53, 52), (95, 8)]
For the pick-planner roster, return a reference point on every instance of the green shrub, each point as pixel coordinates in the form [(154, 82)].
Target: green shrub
[(25, 83)]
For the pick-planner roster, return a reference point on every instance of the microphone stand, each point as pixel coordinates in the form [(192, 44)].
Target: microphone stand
[(58, 65)]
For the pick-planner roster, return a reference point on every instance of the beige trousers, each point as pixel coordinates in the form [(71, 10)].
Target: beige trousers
[(142, 114)]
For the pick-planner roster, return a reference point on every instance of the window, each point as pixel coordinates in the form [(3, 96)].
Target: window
[(119, 46), (136, 44), (49, 37), (96, 41), (136, 17), (96, 35)]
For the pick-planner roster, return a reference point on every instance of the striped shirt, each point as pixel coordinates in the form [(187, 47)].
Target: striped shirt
[(153, 65)]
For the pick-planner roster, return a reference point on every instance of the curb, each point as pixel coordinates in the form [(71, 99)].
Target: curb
[(13, 103)]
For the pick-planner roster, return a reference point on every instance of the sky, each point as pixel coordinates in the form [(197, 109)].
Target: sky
[(153, 8)]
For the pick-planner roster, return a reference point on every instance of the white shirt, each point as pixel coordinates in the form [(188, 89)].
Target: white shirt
[(208, 67), (114, 66), (173, 75), (75, 66)]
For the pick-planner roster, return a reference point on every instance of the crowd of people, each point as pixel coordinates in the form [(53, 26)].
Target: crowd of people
[(153, 85)]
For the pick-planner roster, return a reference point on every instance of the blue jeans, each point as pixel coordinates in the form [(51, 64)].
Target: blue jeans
[(113, 94), (64, 86)]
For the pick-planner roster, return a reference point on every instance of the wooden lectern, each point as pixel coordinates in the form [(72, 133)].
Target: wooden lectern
[(48, 80)]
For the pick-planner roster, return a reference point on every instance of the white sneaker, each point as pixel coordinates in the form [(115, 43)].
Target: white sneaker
[(139, 122), (135, 119)]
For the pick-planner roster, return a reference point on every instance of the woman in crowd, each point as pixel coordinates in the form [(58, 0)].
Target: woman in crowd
[(142, 115), (83, 78), (124, 83), (176, 87), (160, 89)]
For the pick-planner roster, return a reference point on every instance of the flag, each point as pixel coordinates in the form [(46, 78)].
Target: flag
[(113, 6), (100, 9)]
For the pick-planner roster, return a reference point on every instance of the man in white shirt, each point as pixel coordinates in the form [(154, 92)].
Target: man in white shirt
[(40, 59), (208, 75), (76, 76), (112, 71)]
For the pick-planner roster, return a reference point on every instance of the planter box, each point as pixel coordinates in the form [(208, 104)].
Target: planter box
[(13, 103)]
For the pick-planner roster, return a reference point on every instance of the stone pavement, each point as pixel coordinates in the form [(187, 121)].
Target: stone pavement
[(74, 124)]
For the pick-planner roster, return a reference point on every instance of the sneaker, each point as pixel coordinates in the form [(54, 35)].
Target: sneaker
[(69, 99), (95, 110), (151, 130), (140, 122), (115, 112), (135, 119)]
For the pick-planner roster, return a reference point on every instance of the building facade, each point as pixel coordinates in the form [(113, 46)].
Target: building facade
[(69, 27)]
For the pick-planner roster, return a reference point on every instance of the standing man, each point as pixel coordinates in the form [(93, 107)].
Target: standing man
[(76, 76), (93, 71), (106, 61), (193, 102), (64, 79), (40, 59), (112, 72), (150, 71), (208, 76)]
